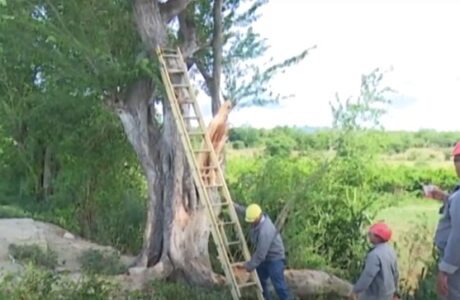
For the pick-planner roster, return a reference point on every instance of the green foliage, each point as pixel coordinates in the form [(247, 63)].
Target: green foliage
[(280, 146), (12, 212), (95, 262), (238, 145), (161, 290), (321, 209), (386, 142), (34, 254), (426, 285), (38, 284)]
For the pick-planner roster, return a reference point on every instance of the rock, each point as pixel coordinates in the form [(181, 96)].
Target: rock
[(68, 235), (68, 247)]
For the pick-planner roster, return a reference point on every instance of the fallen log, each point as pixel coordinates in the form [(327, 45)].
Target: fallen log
[(306, 283)]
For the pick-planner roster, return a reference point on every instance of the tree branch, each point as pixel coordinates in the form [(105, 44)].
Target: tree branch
[(150, 23), (217, 45), (173, 8), (207, 77), (187, 32)]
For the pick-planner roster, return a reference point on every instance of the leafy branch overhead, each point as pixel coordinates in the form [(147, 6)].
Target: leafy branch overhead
[(367, 108)]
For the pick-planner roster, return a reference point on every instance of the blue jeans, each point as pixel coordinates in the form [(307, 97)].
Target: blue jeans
[(275, 271)]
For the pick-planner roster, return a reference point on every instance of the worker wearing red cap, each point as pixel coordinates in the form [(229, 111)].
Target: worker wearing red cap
[(379, 279), (447, 237)]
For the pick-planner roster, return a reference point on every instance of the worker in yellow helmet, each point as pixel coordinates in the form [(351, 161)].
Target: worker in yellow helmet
[(269, 257)]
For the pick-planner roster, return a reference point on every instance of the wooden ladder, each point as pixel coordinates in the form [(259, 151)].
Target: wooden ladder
[(209, 178)]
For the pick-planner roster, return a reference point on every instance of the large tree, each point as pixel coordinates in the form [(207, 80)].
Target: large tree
[(104, 50)]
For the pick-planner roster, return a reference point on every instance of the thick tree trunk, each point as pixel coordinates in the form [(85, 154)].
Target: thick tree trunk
[(177, 228), (309, 284)]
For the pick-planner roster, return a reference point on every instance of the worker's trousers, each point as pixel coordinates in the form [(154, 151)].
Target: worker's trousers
[(273, 270)]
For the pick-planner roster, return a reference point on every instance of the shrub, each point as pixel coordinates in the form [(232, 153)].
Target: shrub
[(7, 211), (162, 290), (95, 262), (37, 284), (238, 145), (34, 254)]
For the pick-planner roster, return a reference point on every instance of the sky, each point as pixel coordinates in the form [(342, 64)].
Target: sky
[(416, 41)]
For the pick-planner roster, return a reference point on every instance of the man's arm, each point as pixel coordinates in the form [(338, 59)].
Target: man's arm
[(367, 276), (240, 209), (451, 259), (263, 244)]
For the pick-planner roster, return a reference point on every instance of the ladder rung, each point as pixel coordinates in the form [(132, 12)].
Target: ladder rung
[(214, 186), (196, 133), (168, 55), (191, 117), (180, 85), (232, 243), (185, 101), (220, 204), (247, 284), (237, 264), (201, 150), (175, 71), (227, 223)]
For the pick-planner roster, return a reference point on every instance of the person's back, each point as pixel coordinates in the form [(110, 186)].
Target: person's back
[(266, 233), (268, 258), (383, 285)]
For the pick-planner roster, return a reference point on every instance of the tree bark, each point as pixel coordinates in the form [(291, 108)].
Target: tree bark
[(217, 45), (309, 284), (177, 228)]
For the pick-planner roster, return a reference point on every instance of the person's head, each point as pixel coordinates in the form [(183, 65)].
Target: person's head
[(379, 233), (253, 214), (456, 155)]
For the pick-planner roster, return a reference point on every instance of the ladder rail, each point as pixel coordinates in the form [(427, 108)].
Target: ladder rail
[(220, 174), (197, 177), (219, 236)]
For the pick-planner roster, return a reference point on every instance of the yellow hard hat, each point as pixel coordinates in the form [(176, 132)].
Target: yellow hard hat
[(253, 212)]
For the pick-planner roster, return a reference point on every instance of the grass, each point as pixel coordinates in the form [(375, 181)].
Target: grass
[(413, 222)]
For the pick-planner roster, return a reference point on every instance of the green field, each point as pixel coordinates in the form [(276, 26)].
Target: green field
[(413, 222)]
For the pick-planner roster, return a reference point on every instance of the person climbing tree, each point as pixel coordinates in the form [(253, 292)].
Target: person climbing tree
[(269, 257)]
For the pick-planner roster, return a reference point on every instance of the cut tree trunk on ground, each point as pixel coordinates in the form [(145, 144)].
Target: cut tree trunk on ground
[(307, 283)]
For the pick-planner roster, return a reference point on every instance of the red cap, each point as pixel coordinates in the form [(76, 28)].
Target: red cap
[(456, 150), (381, 230)]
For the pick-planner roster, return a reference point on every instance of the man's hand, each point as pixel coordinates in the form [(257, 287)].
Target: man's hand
[(241, 267), (441, 284), (436, 193)]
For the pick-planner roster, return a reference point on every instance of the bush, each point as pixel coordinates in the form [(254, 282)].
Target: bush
[(7, 211), (162, 290), (238, 145), (95, 262), (34, 254), (38, 284)]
